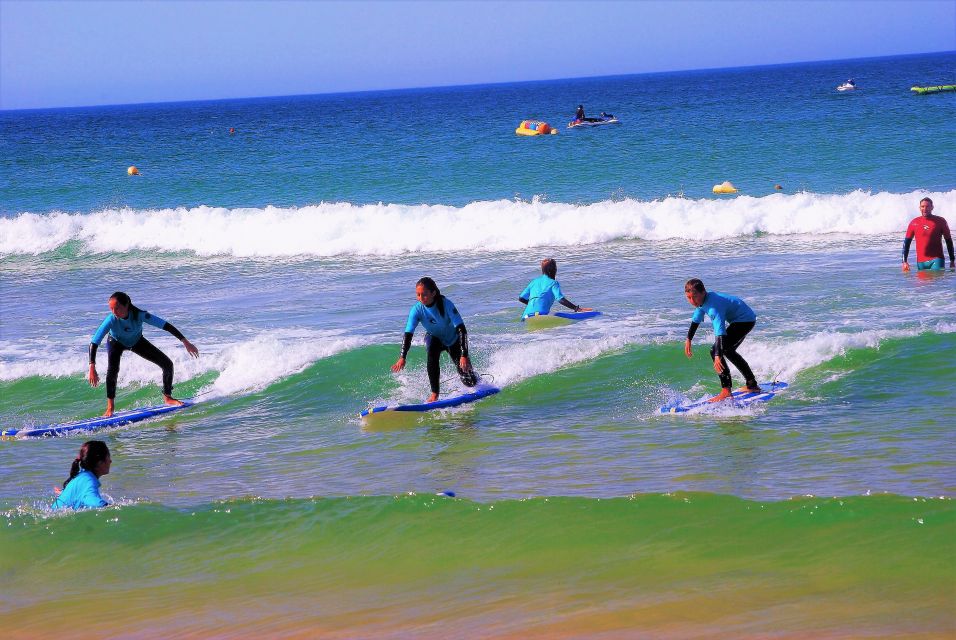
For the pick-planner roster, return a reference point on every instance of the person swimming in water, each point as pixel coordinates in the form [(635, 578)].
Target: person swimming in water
[(444, 331), (543, 291), (124, 324), (732, 320), (82, 489)]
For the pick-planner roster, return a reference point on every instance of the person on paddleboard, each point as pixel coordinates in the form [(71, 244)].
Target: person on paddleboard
[(124, 324), (543, 291), (929, 232), (82, 489), (732, 320), (444, 331)]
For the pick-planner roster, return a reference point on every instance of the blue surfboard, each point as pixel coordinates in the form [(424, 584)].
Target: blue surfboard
[(477, 394), (93, 424), (557, 319), (740, 399)]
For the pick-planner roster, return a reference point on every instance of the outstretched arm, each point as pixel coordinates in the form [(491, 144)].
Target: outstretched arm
[(572, 306), (190, 349)]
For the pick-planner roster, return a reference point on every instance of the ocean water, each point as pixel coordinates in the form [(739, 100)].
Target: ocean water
[(288, 253)]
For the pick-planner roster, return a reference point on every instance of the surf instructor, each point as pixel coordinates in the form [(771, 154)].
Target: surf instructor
[(929, 232), (444, 331), (124, 324)]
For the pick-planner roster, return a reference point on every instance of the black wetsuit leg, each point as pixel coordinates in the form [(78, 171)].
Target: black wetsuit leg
[(114, 351), (433, 349), (736, 332), (468, 378), (148, 350)]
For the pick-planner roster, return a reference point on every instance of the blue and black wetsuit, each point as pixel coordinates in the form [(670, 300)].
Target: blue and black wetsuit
[(740, 319), (81, 492), (540, 294), (127, 334), (444, 331)]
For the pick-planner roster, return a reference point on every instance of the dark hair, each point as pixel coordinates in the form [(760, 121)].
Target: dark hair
[(929, 200), (91, 454), (429, 284), (695, 285), (124, 300), (549, 268)]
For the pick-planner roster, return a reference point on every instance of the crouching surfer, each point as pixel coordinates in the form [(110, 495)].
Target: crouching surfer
[(444, 331), (124, 324), (732, 320)]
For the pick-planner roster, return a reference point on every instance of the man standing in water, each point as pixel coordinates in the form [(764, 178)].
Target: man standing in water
[(929, 231)]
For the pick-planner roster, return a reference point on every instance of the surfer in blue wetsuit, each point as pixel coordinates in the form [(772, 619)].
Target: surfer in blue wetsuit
[(444, 331), (542, 292), (732, 320), (82, 489), (124, 325)]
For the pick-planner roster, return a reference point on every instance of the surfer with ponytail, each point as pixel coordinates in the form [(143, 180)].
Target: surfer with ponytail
[(82, 489), (444, 331)]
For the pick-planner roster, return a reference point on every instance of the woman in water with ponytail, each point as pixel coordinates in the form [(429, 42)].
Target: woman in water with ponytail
[(444, 331), (125, 327), (82, 489)]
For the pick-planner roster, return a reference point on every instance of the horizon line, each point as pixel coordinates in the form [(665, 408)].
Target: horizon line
[(475, 84)]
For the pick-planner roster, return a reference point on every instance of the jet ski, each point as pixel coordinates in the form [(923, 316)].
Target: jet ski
[(606, 118)]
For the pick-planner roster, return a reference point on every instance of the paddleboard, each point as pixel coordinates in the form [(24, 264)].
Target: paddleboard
[(93, 424), (479, 392), (740, 399), (558, 319)]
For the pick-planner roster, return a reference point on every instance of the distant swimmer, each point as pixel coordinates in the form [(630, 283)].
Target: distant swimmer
[(732, 320), (125, 327), (543, 291), (82, 489), (929, 231), (444, 331)]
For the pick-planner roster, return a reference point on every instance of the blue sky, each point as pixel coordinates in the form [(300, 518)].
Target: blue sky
[(87, 53)]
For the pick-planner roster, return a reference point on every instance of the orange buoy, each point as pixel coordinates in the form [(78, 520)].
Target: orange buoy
[(133, 171)]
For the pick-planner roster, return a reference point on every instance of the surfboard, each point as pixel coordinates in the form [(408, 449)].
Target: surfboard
[(476, 394), (740, 399), (93, 424), (557, 319)]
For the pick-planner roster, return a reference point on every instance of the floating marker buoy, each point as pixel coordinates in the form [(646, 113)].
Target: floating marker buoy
[(726, 187), (133, 171)]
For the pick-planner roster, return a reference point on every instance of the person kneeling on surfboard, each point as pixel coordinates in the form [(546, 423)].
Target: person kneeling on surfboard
[(444, 331), (541, 292), (125, 327), (739, 319), (82, 489)]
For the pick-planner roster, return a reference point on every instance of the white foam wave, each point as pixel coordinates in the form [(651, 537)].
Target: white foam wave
[(331, 229), (243, 367)]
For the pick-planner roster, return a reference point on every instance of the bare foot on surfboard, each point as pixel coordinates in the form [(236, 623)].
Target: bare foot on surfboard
[(723, 395), (173, 402), (432, 398)]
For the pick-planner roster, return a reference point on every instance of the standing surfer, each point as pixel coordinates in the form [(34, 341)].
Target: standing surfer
[(732, 320), (444, 331), (125, 327), (929, 231)]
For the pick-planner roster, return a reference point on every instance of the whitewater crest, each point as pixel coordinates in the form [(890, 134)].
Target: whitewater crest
[(343, 229)]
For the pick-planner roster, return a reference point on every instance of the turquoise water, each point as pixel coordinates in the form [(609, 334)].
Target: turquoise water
[(288, 252)]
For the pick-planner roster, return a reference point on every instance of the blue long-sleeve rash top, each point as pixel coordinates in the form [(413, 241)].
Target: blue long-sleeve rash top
[(126, 330), (82, 492), (443, 327), (722, 309)]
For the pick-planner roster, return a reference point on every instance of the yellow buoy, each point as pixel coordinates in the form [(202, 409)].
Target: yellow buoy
[(133, 171), (726, 187)]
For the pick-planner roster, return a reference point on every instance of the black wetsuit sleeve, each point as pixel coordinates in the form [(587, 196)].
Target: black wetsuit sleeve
[(569, 304), (522, 300), (93, 348), (952, 257), (406, 344), (719, 347), (692, 330), (463, 339), (173, 330), (906, 248)]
